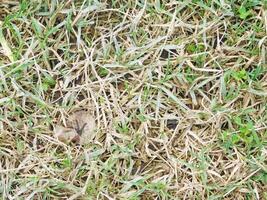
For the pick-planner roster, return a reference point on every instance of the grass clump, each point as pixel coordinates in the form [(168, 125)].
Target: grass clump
[(177, 89)]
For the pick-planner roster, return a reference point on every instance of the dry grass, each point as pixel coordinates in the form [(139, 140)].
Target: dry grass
[(178, 90)]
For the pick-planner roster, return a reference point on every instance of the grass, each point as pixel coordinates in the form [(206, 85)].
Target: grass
[(178, 90)]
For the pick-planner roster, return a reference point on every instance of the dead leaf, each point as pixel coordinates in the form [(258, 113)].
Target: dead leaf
[(81, 128)]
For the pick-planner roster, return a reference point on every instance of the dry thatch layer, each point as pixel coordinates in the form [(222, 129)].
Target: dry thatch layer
[(177, 90)]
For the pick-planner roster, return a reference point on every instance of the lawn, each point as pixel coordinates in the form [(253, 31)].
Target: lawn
[(133, 99)]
